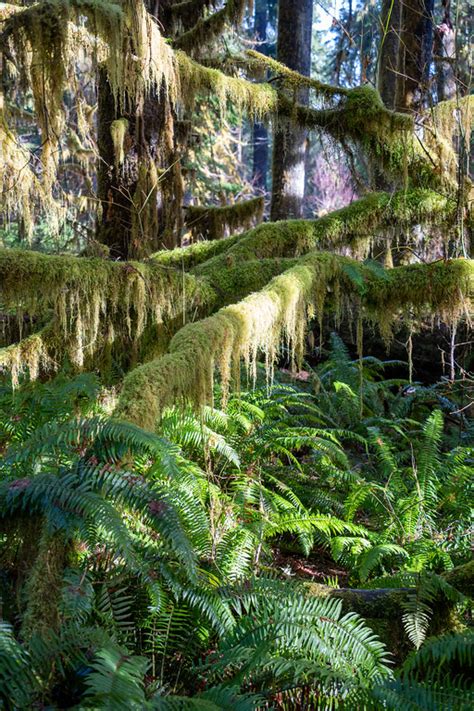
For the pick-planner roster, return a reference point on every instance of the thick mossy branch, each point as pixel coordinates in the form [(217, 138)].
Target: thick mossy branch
[(91, 302), (357, 227), (207, 30), (212, 223), (279, 313), (258, 100)]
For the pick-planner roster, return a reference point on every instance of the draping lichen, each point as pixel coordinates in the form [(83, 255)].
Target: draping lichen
[(118, 131), (258, 100)]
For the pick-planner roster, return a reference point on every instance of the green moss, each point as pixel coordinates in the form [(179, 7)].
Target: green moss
[(213, 223), (462, 578), (188, 257), (258, 100), (43, 587), (93, 302), (257, 325)]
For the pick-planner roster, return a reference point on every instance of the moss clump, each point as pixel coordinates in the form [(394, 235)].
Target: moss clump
[(213, 223), (188, 257)]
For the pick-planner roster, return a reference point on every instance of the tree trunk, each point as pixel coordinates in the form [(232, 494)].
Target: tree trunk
[(139, 174), (445, 56), (416, 53), (260, 132), (389, 52), (289, 149)]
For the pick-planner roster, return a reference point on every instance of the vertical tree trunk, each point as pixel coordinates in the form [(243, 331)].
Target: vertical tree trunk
[(389, 52), (416, 53), (289, 148), (445, 56), (260, 132), (139, 173), (139, 176)]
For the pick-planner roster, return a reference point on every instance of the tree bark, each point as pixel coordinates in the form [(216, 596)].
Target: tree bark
[(389, 52), (416, 53), (289, 149), (260, 132), (445, 56)]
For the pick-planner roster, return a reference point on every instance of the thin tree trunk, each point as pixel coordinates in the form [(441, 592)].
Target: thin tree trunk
[(416, 53), (289, 150), (389, 52), (260, 132), (445, 56)]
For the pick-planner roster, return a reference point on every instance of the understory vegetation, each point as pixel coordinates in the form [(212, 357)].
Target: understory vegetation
[(165, 570)]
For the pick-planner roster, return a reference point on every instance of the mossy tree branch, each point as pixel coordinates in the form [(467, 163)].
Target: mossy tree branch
[(213, 223), (259, 323)]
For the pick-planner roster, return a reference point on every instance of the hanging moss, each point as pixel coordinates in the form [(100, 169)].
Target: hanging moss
[(40, 38), (91, 302), (213, 223), (258, 100), (118, 131), (258, 324), (444, 125), (19, 186)]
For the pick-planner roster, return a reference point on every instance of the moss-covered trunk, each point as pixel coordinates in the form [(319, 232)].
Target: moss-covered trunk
[(139, 172), (289, 149)]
